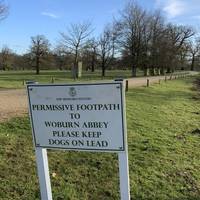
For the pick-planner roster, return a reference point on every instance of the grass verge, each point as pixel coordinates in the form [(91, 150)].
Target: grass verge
[(164, 157)]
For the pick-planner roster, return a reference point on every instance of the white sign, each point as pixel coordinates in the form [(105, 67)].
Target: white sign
[(78, 117)]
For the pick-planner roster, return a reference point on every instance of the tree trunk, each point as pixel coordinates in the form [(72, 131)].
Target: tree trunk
[(134, 71), (74, 73), (146, 71), (158, 71), (192, 64), (37, 65), (92, 66), (168, 70), (75, 67), (103, 71), (103, 67), (162, 71), (152, 71), (60, 66)]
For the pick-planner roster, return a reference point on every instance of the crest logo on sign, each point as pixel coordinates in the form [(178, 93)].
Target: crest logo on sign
[(72, 92)]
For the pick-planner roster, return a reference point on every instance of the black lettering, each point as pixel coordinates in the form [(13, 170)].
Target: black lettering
[(52, 107), (77, 142), (62, 124), (58, 142), (92, 143)]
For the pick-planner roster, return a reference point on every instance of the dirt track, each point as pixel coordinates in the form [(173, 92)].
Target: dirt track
[(14, 102)]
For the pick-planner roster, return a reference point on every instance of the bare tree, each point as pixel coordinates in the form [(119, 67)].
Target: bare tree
[(194, 50), (74, 39), (39, 48), (176, 37), (3, 10), (155, 44), (133, 25), (93, 44), (5, 52), (5, 58), (60, 54), (89, 54), (147, 42), (22, 62), (105, 49)]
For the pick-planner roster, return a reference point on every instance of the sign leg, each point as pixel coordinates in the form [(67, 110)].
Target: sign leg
[(43, 173), (124, 176)]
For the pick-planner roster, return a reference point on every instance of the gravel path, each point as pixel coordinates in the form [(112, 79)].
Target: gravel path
[(136, 82), (14, 102)]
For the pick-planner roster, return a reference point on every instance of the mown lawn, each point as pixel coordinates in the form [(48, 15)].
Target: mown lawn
[(164, 157), (16, 79)]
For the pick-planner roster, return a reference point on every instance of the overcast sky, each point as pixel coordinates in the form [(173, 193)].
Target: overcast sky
[(49, 17)]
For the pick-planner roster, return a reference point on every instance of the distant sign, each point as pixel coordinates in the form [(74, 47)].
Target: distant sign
[(78, 117)]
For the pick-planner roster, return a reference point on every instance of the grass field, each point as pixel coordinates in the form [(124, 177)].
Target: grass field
[(164, 157), (16, 79)]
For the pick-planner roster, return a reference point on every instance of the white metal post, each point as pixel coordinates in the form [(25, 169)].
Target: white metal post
[(123, 159), (124, 176), (43, 173)]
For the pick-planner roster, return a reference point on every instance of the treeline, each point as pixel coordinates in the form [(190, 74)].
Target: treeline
[(136, 39)]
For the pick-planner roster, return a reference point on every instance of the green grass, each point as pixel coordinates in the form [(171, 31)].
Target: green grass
[(164, 156), (15, 79)]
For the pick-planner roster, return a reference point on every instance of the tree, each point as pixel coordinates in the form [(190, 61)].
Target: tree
[(3, 10), (176, 37), (6, 58), (74, 40), (194, 50), (147, 42), (93, 47), (5, 50), (182, 59), (89, 54), (133, 25), (22, 62), (156, 30), (39, 48), (105, 49), (59, 55)]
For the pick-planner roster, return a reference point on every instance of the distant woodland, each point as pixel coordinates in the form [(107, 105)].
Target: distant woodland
[(135, 40)]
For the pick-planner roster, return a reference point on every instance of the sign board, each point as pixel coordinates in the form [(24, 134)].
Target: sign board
[(88, 117), (78, 117)]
